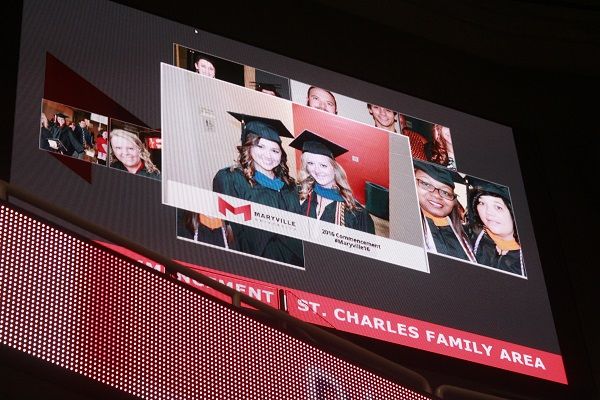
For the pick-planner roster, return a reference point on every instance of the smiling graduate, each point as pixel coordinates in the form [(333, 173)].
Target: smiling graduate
[(442, 216), (494, 233), (323, 188), (261, 175)]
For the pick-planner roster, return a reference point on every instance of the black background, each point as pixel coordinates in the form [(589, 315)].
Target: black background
[(541, 79)]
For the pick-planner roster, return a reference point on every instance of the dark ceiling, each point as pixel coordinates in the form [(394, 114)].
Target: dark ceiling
[(545, 36)]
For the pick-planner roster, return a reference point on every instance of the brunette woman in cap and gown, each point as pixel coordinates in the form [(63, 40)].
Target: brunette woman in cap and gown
[(61, 134), (324, 189), (261, 175), (441, 212), (493, 228)]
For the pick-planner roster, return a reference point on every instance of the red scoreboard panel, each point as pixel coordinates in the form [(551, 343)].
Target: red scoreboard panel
[(69, 302)]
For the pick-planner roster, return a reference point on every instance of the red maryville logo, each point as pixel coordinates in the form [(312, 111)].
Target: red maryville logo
[(225, 206)]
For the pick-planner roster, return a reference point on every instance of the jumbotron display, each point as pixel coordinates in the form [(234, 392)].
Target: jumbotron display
[(343, 204)]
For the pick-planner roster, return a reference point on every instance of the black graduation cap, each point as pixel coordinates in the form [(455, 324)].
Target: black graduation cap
[(266, 128), (59, 114), (485, 186), (310, 142), (439, 173)]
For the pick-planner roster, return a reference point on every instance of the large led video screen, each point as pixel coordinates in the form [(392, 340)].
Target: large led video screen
[(343, 203)]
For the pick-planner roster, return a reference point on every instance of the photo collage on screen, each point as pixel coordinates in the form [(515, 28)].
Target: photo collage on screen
[(99, 139), (327, 185), (73, 132), (463, 217), (199, 227)]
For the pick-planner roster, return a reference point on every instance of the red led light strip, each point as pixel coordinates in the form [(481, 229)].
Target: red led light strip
[(73, 304)]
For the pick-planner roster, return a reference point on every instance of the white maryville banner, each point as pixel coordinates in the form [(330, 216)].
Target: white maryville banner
[(296, 226)]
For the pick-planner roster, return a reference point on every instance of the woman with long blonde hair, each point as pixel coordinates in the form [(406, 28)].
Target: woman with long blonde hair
[(128, 153), (324, 190)]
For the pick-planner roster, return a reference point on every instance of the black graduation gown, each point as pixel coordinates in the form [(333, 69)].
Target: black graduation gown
[(256, 241), (488, 255), (65, 136), (45, 134), (205, 234), (141, 172), (445, 240), (358, 219)]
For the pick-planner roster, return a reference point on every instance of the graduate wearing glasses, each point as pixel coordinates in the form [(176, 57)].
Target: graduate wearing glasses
[(261, 175), (324, 189), (441, 212)]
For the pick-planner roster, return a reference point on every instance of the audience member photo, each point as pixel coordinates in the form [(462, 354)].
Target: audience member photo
[(102, 145), (358, 155), (321, 99), (428, 141), (201, 228), (271, 89), (417, 140), (204, 65), (383, 118), (208, 65)]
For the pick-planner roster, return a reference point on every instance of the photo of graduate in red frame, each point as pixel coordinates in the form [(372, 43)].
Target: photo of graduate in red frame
[(364, 159)]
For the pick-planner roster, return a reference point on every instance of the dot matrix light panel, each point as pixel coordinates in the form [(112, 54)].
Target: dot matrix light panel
[(75, 305)]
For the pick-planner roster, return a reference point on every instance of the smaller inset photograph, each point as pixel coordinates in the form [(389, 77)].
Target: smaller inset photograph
[(72, 132), (202, 228), (337, 173), (135, 149), (330, 102), (428, 141), (266, 82), (492, 227), (208, 65), (384, 118), (468, 219)]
